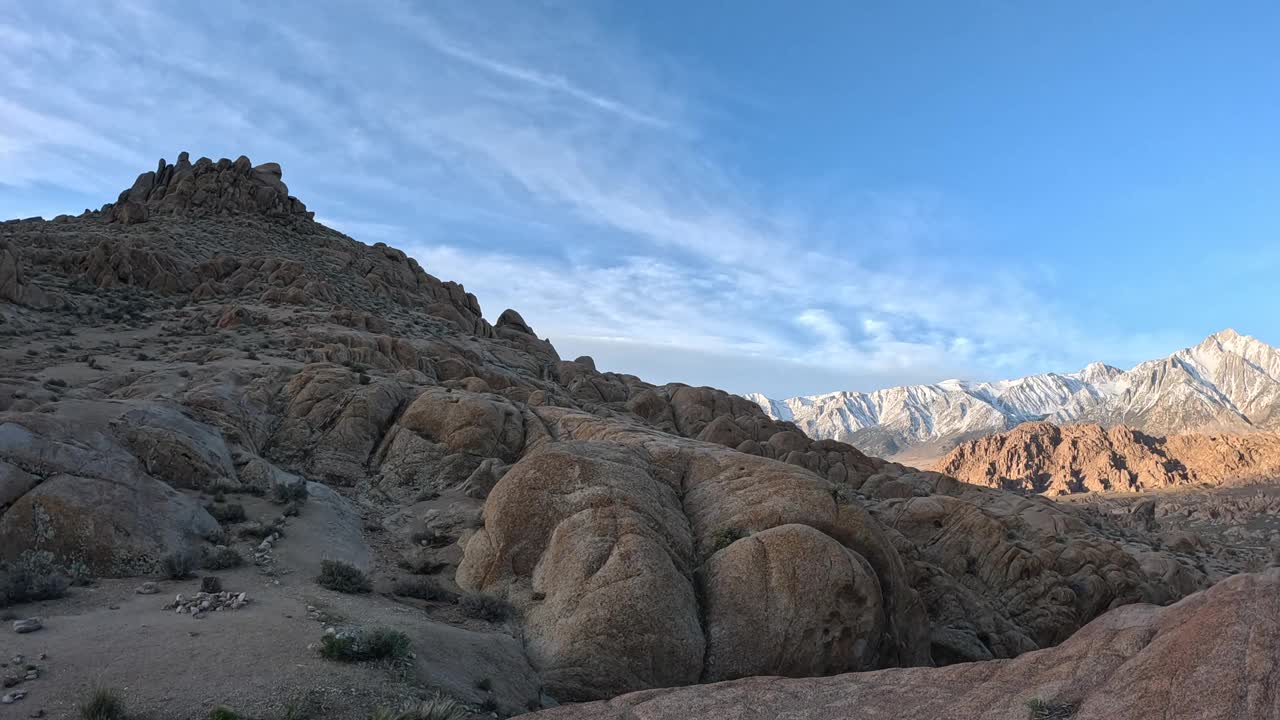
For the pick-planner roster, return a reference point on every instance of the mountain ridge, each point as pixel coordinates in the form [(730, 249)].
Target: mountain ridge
[(1228, 382)]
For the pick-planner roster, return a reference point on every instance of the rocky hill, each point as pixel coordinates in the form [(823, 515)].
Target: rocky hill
[(200, 377), (1227, 383), (1059, 459)]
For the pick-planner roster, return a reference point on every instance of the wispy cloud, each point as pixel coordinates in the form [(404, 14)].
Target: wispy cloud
[(540, 160)]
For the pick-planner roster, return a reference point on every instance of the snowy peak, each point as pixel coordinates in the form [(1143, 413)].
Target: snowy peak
[(1227, 383)]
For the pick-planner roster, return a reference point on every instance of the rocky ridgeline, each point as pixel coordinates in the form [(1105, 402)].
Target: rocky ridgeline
[(646, 535), (1059, 459), (206, 188)]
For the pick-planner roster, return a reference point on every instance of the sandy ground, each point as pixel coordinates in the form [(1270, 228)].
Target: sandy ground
[(257, 659)]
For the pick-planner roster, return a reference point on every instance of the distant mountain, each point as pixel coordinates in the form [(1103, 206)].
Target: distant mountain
[(1227, 383)]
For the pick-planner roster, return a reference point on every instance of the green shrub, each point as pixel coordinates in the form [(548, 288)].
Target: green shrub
[(421, 588), (724, 537), (365, 645), (178, 564), (222, 558), (79, 573), (285, 493), (1045, 710), (342, 577), (229, 513), (103, 704), (481, 606), (439, 707), (255, 530), (33, 576)]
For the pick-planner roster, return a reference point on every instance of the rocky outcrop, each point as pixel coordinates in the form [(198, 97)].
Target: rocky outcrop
[(1210, 656), (1060, 459), (16, 288), (632, 531), (206, 188), (116, 527)]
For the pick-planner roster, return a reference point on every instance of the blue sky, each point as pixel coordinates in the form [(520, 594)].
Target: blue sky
[(792, 198)]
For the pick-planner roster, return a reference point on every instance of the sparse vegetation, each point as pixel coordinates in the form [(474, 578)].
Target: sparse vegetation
[(421, 588), (342, 577), (178, 564), (33, 576), (843, 495), (228, 513), (79, 574), (482, 606), (366, 645), (285, 493), (1045, 710), (103, 704), (724, 537), (439, 707), (222, 558)]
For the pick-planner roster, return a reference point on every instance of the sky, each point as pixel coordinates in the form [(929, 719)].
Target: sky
[(790, 198)]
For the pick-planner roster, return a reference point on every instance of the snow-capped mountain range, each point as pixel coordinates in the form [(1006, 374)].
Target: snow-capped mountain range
[(1227, 383)]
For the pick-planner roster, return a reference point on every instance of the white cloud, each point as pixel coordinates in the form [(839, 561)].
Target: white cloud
[(541, 161)]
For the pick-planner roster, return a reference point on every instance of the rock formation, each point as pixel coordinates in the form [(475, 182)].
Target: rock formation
[(1211, 656), (1060, 459), (206, 188), (212, 339)]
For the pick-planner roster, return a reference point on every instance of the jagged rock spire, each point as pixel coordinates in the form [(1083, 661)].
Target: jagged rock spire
[(206, 188)]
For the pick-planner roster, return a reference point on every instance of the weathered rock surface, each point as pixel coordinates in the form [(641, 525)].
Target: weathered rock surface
[(1213, 656), (206, 188), (1059, 459), (122, 527), (215, 341)]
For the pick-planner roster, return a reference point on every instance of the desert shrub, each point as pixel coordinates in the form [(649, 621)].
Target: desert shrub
[(482, 606), (79, 574), (342, 577), (484, 684), (439, 707), (285, 493), (103, 704), (724, 537), (222, 712), (222, 558), (178, 564), (1045, 710), (229, 513), (255, 530), (365, 645), (421, 588), (33, 576)]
